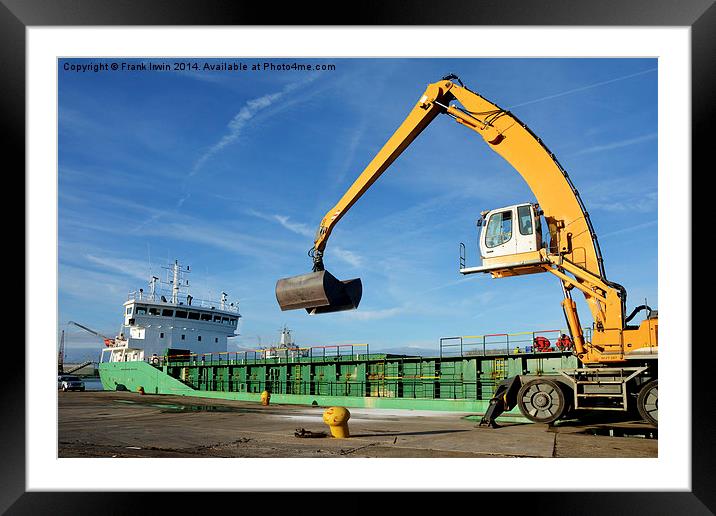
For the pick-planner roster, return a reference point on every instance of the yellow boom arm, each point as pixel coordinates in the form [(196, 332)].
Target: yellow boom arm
[(574, 255), (564, 212)]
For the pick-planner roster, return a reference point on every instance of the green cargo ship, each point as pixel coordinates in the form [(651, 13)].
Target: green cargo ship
[(340, 375), (168, 346)]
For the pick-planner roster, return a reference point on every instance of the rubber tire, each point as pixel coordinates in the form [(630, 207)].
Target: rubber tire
[(562, 401), (641, 401)]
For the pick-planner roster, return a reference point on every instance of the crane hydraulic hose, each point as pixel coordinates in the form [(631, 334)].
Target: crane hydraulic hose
[(636, 311)]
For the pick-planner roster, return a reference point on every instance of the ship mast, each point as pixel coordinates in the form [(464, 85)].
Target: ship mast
[(153, 286), (176, 281)]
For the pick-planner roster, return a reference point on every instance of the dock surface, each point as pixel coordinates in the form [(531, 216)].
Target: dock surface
[(126, 424)]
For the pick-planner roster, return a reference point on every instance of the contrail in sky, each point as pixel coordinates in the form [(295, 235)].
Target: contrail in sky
[(242, 119), (575, 90)]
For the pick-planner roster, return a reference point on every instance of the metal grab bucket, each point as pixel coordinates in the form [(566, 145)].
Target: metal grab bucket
[(318, 292)]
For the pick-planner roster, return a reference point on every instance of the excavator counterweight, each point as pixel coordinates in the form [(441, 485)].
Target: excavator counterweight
[(318, 292)]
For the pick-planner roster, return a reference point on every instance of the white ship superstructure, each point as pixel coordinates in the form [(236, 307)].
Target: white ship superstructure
[(286, 347), (154, 323)]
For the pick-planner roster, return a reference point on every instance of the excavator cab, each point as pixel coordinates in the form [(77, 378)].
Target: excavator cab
[(318, 292), (510, 241), (512, 230)]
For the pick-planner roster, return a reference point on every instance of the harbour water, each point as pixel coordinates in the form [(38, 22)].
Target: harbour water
[(92, 384)]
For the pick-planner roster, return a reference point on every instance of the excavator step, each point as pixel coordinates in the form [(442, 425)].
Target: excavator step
[(594, 395), (599, 382)]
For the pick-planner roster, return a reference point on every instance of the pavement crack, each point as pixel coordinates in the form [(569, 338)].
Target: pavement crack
[(353, 450), (554, 445)]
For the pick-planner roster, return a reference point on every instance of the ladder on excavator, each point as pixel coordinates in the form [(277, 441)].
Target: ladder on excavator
[(601, 388)]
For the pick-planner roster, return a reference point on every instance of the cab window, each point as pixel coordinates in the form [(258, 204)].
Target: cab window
[(499, 229), (524, 216)]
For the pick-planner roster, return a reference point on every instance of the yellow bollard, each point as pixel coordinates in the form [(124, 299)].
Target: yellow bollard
[(140, 390), (337, 420), (265, 398)]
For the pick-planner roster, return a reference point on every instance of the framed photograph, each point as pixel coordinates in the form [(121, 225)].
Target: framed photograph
[(154, 133)]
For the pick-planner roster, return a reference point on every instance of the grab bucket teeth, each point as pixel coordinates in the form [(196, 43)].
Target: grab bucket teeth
[(318, 292)]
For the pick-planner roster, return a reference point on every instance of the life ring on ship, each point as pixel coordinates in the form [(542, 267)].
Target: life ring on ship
[(564, 343), (541, 344)]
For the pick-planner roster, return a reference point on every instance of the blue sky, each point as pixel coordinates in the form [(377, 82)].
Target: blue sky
[(231, 173)]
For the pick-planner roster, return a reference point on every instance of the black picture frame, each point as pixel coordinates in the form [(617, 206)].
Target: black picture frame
[(699, 15)]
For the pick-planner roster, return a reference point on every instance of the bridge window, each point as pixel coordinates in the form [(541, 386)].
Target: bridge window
[(194, 315), (524, 215), (141, 310), (153, 311), (167, 312), (181, 314), (217, 318), (225, 320), (129, 310), (499, 229), (206, 317)]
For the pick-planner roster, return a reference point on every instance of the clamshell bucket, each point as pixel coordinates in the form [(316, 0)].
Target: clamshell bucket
[(318, 292)]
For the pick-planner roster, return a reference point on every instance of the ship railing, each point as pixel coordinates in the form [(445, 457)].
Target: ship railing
[(197, 303), (503, 343), (253, 356)]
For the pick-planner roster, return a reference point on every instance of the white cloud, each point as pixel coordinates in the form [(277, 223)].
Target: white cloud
[(629, 229), (616, 145), (642, 204), (133, 268), (347, 256), (351, 258), (84, 284), (296, 227), (371, 315), (241, 119)]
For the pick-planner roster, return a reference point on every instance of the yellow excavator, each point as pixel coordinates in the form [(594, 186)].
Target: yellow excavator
[(618, 362)]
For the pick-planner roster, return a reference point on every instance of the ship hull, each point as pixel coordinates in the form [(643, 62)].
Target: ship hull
[(460, 384)]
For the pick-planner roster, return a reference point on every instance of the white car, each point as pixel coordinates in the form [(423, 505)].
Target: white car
[(67, 382)]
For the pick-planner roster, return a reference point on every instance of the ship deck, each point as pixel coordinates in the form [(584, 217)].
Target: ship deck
[(128, 424)]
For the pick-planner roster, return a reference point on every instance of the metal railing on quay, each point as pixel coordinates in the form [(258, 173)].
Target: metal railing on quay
[(507, 343)]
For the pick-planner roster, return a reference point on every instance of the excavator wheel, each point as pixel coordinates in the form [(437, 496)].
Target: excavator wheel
[(542, 400), (647, 403)]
